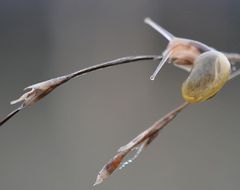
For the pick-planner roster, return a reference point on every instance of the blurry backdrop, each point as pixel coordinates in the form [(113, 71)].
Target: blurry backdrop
[(63, 141)]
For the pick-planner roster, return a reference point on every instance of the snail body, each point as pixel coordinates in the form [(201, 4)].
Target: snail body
[(180, 51), (210, 71), (185, 51)]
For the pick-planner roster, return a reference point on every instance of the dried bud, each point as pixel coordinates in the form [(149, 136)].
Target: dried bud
[(138, 143), (39, 90)]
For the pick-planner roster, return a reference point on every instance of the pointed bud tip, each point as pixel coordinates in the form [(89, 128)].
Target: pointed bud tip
[(17, 101), (98, 181)]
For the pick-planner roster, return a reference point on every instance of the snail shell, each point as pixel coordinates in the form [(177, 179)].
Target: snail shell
[(209, 73)]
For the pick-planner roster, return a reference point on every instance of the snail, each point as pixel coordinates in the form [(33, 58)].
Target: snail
[(210, 71)]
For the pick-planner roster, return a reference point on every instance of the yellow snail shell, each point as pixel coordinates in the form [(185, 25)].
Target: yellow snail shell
[(209, 73)]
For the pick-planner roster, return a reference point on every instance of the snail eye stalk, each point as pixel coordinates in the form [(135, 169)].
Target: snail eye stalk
[(159, 29), (159, 67)]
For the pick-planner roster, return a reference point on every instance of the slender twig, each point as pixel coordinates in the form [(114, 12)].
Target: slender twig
[(144, 139), (234, 74), (10, 115), (233, 57), (120, 61), (40, 90)]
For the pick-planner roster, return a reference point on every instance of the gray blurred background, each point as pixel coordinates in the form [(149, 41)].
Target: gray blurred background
[(63, 141)]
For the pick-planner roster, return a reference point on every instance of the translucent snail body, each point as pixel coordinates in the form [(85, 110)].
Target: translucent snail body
[(211, 70), (180, 51)]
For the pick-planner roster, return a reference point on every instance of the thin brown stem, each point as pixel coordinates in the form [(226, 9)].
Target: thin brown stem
[(234, 74), (10, 115), (158, 125), (120, 61), (233, 57), (40, 90)]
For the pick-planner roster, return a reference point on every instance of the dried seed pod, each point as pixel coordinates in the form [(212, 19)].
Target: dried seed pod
[(211, 70), (140, 142), (35, 93), (39, 90)]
